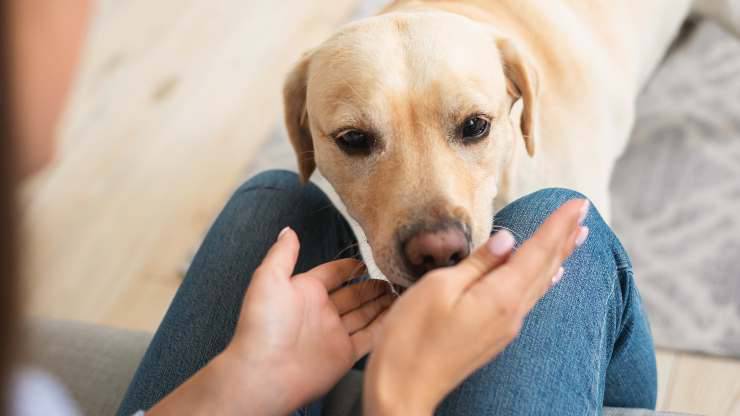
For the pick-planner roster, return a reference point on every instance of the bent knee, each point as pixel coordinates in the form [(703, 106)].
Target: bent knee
[(278, 179), (284, 187), (555, 196), (538, 205), (527, 213)]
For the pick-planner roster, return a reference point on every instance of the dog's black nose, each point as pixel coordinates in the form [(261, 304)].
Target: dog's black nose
[(431, 249)]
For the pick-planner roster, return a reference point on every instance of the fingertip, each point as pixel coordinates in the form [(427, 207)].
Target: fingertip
[(388, 300), (581, 236), (283, 232), (287, 233), (571, 213), (584, 208), (288, 236), (576, 205), (284, 252), (360, 264), (501, 243), (558, 276), (488, 256)]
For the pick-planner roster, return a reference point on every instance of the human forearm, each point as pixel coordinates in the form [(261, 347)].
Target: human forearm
[(396, 388), (384, 402), (226, 386)]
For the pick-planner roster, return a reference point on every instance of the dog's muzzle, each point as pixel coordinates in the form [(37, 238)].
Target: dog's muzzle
[(431, 247)]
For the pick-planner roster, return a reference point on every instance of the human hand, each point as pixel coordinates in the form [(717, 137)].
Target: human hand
[(296, 337), (457, 319), (300, 334)]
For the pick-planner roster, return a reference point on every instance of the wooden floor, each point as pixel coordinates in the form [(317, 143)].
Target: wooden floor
[(172, 101)]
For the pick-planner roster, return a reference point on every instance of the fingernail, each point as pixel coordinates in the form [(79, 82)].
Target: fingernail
[(283, 232), (582, 235), (558, 276), (584, 211), (501, 243)]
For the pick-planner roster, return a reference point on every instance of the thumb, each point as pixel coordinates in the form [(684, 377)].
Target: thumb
[(487, 257), (281, 258)]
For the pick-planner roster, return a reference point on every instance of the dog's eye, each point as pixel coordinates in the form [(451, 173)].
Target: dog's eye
[(475, 128), (355, 142)]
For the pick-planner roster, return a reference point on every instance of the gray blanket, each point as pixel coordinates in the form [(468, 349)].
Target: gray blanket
[(676, 195)]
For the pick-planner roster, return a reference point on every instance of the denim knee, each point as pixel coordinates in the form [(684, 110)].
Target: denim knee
[(307, 196), (279, 179), (524, 215), (541, 203)]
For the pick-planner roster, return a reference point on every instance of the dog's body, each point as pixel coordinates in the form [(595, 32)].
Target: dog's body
[(377, 109)]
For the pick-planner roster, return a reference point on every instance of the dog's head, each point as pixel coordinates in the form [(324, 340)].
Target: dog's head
[(409, 118)]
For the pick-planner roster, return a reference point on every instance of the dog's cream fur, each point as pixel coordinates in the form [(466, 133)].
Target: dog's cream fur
[(557, 78)]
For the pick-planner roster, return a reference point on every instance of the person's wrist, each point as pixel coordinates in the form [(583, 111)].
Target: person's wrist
[(260, 381), (241, 389), (391, 390), (384, 401), (225, 386)]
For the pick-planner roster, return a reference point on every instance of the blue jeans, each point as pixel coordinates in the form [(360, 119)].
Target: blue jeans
[(585, 345)]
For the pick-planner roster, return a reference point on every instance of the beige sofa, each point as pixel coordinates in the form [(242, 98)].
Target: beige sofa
[(96, 364)]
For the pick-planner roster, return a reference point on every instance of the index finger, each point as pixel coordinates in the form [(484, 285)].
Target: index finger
[(334, 273), (493, 253), (529, 271)]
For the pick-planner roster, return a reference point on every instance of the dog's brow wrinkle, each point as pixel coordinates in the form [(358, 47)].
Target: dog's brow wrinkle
[(363, 100)]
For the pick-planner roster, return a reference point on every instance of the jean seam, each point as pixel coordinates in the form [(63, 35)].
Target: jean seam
[(624, 266), (632, 292), (259, 188), (602, 342), (621, 258)]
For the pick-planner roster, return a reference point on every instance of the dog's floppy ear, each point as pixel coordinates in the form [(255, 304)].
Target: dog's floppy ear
[(296, 116), (523, 83)]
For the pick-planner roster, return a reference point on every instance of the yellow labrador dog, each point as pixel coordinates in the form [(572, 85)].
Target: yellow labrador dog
[(424, 118)]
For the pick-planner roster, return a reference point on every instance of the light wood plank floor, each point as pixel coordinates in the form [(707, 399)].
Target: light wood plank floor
[(173, 98)]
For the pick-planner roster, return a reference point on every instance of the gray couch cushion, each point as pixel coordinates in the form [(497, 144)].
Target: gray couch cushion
[(94, 363)]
